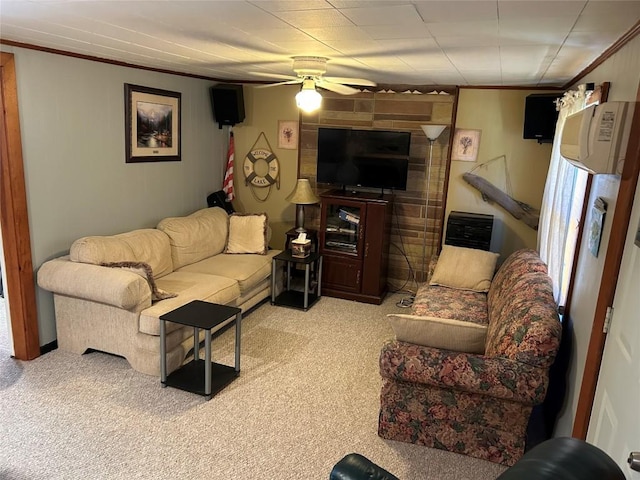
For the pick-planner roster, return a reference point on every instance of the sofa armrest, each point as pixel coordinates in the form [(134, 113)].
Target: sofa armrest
[(112, 286), (496, 377)]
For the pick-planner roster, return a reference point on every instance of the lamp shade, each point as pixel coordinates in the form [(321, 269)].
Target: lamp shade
[(433, 131), (308, 99), (303, 193)]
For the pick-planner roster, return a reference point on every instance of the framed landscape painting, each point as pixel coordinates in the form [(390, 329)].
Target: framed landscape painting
[(152, 124)]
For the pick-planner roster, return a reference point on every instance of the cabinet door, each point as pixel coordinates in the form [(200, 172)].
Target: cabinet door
[(376, 249), (341, 273), (342, 227)]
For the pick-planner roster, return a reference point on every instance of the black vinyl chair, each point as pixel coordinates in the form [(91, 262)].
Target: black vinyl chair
[(561, 458)]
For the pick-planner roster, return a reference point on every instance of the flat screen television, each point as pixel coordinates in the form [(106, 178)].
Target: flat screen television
[(363, 158)]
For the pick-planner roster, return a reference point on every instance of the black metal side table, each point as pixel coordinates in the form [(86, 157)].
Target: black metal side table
[(203, 377), (294, 298)]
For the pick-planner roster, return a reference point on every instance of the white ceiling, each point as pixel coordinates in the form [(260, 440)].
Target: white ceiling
[(419, 42)]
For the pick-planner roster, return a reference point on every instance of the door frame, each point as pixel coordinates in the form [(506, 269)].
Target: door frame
[(14, 220)]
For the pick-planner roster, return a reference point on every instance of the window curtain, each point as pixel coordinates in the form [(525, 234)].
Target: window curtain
[(562, 203)]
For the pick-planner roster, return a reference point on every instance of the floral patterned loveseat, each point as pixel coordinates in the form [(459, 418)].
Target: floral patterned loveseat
[(477, 404)]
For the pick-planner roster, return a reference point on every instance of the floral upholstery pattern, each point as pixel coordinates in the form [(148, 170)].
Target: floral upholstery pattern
[(453, 421), (445, 302), (477, 405)]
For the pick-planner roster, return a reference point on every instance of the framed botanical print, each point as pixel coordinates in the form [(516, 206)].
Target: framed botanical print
[(287, 134), (465, 145)]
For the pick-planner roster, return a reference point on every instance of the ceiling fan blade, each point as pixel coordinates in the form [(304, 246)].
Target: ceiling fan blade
[(336, 87), (273, 75), (351, 81), (289, 82)]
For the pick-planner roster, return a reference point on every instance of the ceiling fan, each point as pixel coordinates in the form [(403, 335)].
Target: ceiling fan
[(310, 73)]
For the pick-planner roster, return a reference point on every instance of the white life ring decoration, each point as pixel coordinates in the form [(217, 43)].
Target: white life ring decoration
[(261, 168)]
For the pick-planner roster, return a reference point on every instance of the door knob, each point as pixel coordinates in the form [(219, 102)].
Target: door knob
[(634, 461)]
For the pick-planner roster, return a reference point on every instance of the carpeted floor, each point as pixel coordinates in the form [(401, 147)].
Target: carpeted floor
[(307, 395)]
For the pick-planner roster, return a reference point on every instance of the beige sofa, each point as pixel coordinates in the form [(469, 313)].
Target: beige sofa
[(105, 300)]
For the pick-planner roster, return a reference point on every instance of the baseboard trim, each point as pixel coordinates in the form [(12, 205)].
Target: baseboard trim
[(48, 347)]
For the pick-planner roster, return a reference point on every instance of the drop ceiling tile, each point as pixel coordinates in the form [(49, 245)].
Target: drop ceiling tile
[(305, 19), (310, 47), (405, 46), (276, 35), (367, 3), (612, 9), (517, 78), (615, 23), (529, 9), (413, 30), (482, 40), (291, 5), (530, 57), (594, 41), (431, 60), (381, 15), (340, 34), (443, 77), (457, 11), (552, 30), (382, 61), (479, 76), (230, 35), (474, 58), (464, 29)]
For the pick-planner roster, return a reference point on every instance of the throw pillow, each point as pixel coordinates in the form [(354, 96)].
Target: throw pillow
[(247, 233), (442, 333), (465, 268), (144, 270)]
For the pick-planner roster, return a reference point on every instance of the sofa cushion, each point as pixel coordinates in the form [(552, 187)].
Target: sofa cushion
[(194, 237), (248, 270), (524, 325), (445, 302), (464, 268), (189, 286), (247, 233), (441, 333), (146, 245), (517, 264)]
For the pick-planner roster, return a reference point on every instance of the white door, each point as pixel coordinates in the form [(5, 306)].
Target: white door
[(615, 420)]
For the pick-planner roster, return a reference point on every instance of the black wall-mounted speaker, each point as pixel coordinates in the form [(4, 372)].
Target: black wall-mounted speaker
[(540, 117), (227, 103)]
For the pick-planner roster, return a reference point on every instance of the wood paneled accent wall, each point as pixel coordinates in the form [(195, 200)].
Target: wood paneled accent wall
[(403, 112)]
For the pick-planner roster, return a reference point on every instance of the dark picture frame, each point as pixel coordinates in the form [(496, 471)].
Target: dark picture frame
[(152, 124)]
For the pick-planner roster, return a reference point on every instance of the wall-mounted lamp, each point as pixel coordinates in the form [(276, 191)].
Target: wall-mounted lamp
[(432, 132), (302, 195), (308, 99)]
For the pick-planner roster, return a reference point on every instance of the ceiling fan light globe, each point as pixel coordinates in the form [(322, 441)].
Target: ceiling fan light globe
[(308, 100)]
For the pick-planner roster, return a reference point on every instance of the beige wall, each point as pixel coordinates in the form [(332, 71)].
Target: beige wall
[(264, 107), (499, 114), (519, 166)]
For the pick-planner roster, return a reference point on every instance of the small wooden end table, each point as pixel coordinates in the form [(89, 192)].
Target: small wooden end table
[(203, 377)]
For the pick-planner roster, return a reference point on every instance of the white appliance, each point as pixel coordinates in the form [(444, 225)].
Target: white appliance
[(595, 139)]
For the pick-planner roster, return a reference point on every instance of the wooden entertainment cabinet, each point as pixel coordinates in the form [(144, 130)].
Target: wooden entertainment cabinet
[(354, 242)]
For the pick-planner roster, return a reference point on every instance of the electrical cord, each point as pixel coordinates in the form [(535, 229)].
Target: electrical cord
[(405, 302)]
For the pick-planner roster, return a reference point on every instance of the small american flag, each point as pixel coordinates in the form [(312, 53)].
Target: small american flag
[(227, 184)]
